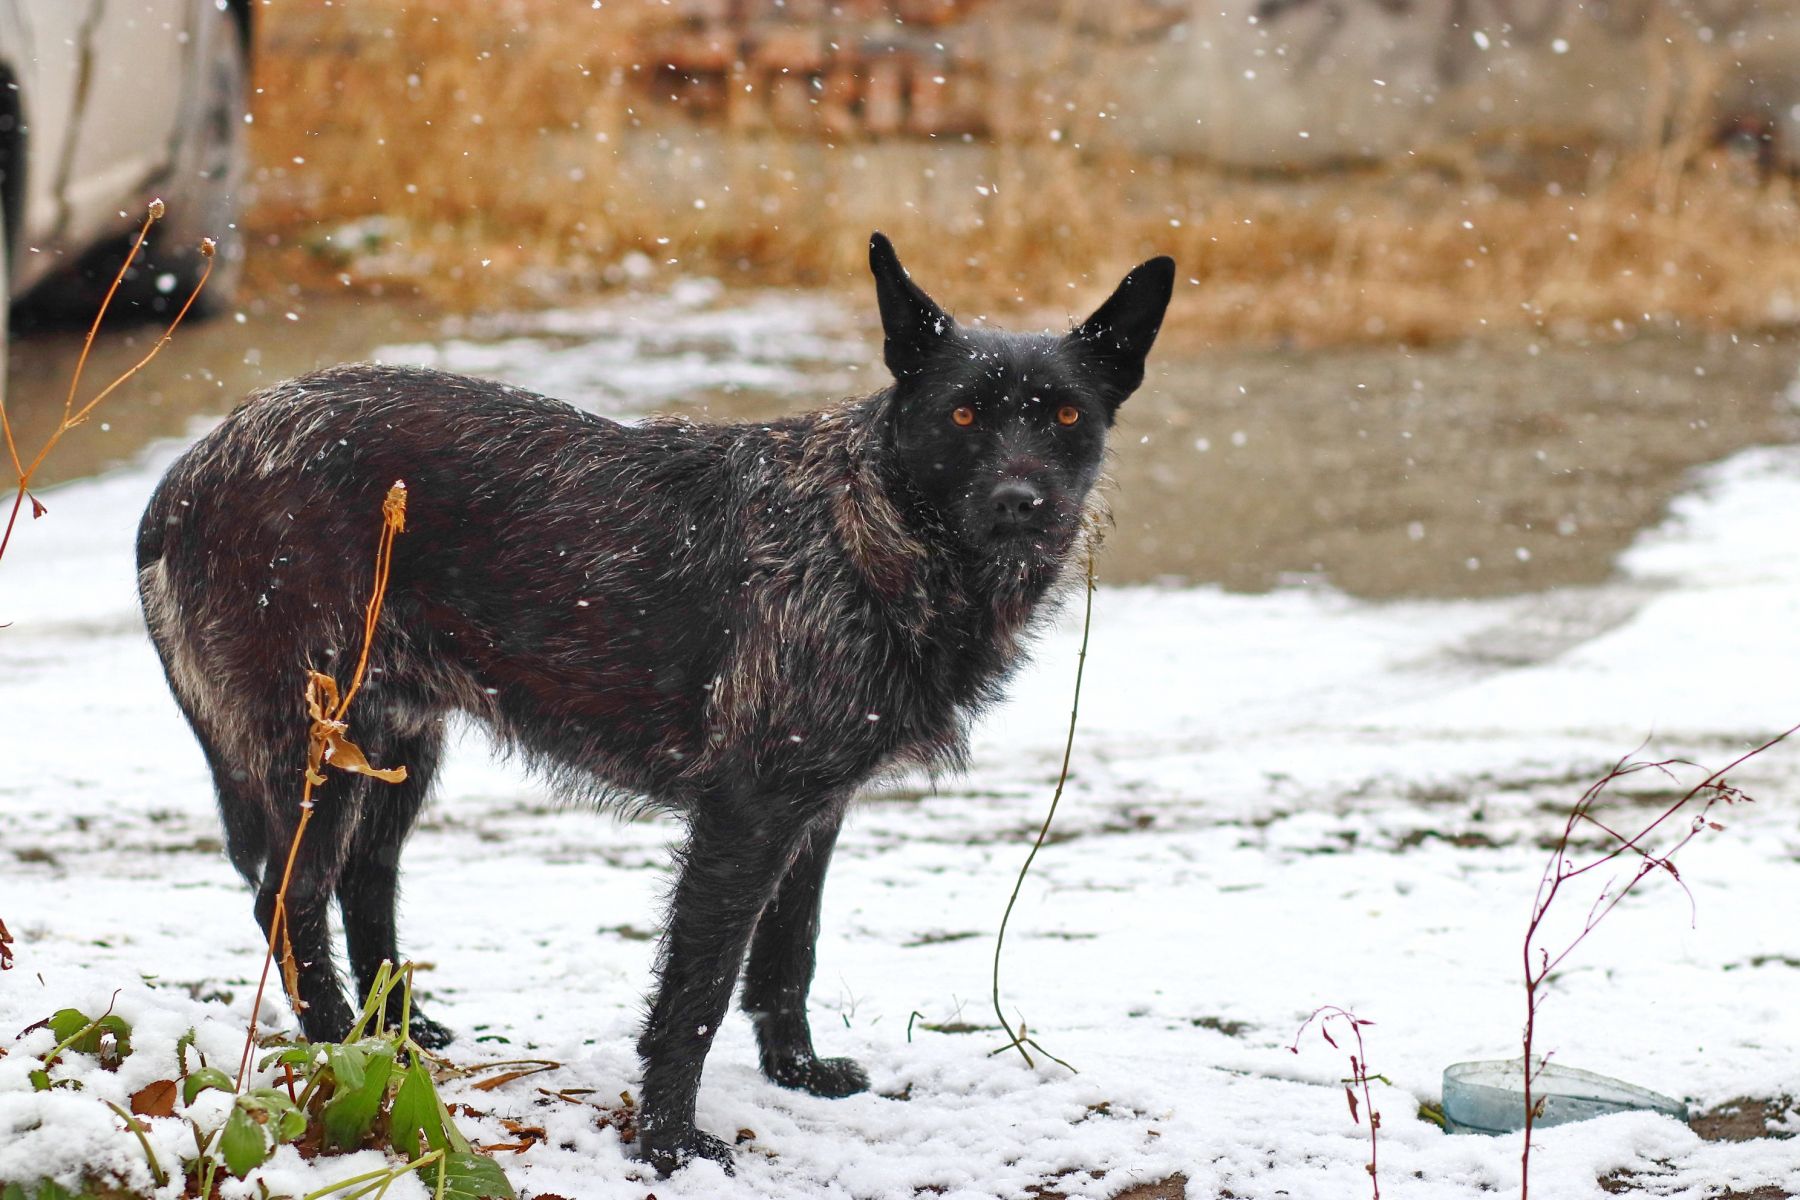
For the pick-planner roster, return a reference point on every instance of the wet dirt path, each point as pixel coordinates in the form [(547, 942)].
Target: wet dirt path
[(1467, 470), (1480, 468)]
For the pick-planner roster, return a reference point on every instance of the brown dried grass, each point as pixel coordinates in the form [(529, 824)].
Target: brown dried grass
[(514, 161)]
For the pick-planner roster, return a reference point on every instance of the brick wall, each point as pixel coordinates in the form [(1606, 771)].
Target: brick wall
[(833, 68)]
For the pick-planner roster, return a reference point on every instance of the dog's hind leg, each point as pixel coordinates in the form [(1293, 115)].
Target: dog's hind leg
[(368, 886), (780, 973), (324, 1014), (242, 804), (734, 857)]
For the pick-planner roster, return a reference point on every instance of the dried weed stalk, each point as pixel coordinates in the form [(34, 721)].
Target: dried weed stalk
[(1359, 1077), (1020, 1039), (328, 742), (72, 415), (1539, 960)]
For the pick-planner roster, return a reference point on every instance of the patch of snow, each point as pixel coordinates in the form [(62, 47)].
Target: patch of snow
[(660, 348), (1276, 802)]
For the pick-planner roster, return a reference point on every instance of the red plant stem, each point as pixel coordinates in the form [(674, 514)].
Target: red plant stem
[(13, 517), (1359, 1075), (1558, 872)]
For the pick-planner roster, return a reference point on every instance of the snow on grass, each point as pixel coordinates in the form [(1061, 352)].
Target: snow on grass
[(1277, 802)]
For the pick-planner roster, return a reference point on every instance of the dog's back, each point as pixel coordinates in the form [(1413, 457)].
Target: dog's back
[(513, 595), (626, 603)]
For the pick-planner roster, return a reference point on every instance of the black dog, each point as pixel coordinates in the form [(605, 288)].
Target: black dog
[(739, 623)]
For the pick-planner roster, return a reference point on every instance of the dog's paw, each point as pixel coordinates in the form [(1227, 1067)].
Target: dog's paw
[(831, 1078), (428, 1033), (327, 1020), (667, 1152)]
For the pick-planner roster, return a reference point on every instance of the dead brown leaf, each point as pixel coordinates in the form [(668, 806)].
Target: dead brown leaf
[(506, 1077), (290, 970), (155, 1099), (527, 1136), (329, 743), (623, 1118)]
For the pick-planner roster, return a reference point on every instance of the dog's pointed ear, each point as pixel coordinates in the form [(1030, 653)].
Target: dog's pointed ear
[(915, 327), (1117, 338)]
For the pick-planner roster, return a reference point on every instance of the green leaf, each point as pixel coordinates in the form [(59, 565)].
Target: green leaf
[(13, 1191), (116, 1025), (40, 1080), (65, 1023), (361, 1076), (242, 1143), (76, 1032), (415, 1122), (199, 1081), (285, 1120), (302, 1058), (347, 1065), (182, 1045), (272, 1101), (290, 1125), (468, 1176)]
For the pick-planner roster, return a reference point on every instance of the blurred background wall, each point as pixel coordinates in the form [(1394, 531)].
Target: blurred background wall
[(1325, 170)]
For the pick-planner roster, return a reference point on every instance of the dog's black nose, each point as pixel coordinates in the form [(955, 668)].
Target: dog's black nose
[(1016, 505)]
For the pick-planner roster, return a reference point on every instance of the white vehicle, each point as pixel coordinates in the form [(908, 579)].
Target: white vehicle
[(106, 105)]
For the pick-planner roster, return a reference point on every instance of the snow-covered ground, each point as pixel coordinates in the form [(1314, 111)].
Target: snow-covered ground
[(1277, 802)]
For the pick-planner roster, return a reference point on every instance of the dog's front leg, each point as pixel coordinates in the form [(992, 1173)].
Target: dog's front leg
[(733, 859), (780, 973)]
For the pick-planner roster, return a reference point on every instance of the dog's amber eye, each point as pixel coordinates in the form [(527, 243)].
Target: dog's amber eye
[(963, 415), (1068, 414)]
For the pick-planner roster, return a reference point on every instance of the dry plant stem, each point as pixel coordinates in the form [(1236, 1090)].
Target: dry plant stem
[(137, 1129), (87, 343), (381, 1178), (71, 415), (1359, 1077), (1019, 1040), (1539, 962), (328, 711)]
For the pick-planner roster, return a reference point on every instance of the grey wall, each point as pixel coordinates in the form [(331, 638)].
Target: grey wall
[(1303, 83)]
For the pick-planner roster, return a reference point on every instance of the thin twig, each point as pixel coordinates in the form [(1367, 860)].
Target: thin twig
[(1019, 1040), (151, 217), (71, 416)]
